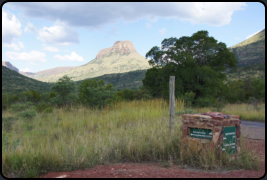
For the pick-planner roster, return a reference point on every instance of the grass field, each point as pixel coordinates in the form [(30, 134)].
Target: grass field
[(246, 111), (78, 138)]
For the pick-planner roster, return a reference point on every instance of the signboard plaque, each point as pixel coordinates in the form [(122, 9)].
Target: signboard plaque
[(229, 139), (200, 133)]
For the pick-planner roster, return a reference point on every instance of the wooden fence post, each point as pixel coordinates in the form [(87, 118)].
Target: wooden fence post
[(172, 102)]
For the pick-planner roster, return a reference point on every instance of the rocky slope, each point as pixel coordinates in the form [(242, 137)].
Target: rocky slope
[(121, 57), (9, 66)]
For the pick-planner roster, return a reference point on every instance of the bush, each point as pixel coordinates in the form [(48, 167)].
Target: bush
[(48, 110), (7, 123), (41, 107), (20, 106), (27, 114), (203, 102)]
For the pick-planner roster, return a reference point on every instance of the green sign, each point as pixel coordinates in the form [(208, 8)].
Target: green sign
[(229, 139), (200, 133)]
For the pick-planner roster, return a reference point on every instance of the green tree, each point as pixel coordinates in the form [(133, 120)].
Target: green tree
[(197, 62), (95, 93), (66, 91), (31, 95)]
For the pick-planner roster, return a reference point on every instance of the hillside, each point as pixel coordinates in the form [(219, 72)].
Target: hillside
[(15, 82), (251, 71), (47, 72), (9, 66), (120, 58), (251, 51), (129, 80)]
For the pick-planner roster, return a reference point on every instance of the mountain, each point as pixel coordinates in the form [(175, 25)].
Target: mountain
[(47, 72), (121, 57), (12, 81), (9, 66), (251, 51)]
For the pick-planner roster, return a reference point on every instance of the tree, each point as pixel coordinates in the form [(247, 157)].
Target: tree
[(31, 95), (197, 62), (95, 93), (66, 91)]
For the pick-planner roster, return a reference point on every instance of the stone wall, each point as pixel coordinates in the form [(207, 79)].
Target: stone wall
[(215, 121)]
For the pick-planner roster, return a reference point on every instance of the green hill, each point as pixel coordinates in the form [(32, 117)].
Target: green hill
[(251, 51), (15, 82), (129, 80), (247, 72)]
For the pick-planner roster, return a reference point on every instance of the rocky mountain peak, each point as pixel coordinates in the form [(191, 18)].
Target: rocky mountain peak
[(123, 47), (9, 66)]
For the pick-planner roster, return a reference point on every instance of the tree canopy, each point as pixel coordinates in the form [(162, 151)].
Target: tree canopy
[(65, 90), (197, 62), (95, 93)]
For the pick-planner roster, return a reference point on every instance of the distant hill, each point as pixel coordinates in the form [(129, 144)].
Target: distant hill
[(120, 58), (9, 66), (129, 80), (15, 82), (251, 51), (47, 72)]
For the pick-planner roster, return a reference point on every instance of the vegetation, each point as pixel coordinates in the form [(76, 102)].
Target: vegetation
[(65, 90), (246, 111), (80, 137), (72, 125), (127, 80), (197, 62), (15, 82), (250, 51), (247, 72), (95, 93)]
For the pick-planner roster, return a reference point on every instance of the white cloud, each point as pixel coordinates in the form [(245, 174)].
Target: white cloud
[(31, 56), (148, 25), (50, 48), (30, 28), (15, 46), (237, 38), (162, 31), (59, 34), (26, 70), (97, 14), (72, 57), (10, 27), (249, 36)]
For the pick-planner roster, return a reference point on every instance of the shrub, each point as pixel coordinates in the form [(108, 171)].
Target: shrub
[(203, 102), (7, 123), (7, 144), (41, 107), (20, 106), (48, 110), (27, 114)]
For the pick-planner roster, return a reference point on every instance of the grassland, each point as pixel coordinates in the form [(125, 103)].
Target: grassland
[(246, 111), (78, 138)]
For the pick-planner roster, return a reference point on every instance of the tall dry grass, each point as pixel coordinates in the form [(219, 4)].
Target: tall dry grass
[(246, 111), (77, 138)]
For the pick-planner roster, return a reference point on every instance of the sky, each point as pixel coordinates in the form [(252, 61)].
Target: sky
[(42, 35)]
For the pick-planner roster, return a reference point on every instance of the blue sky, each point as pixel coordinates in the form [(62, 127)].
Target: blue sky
[(40, 36)]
